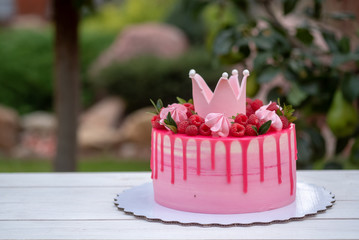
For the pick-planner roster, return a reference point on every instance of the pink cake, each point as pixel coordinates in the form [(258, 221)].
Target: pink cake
[(223, 168)]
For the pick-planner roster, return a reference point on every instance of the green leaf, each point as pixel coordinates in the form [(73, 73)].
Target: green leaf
[(289, 6), (268, 74), (350, 87), (265, 127), (170, 123), (190, 101), (181, 100), (331, 41), (344, 45), (255, 129), (304, 35), (172, 128), (159, 104), (156, 109), (296, 96), (223, 42)]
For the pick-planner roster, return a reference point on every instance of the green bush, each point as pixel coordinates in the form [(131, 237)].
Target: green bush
[(140, 79), (26, 69)]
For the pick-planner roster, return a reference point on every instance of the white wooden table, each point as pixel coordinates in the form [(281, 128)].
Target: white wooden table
[(80, 206)]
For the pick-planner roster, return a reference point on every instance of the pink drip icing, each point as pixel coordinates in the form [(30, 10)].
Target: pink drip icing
[(184, 152), (156, 157), (290, 163), (151, 161), (227, 144), (198, 142), (244, 146), (162, 153), (172, 140), (213, 153), (295, 144), (261, 158), (277, 136)]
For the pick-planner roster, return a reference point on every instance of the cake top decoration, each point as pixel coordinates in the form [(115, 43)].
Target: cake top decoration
[(228, 98), (222, 113)]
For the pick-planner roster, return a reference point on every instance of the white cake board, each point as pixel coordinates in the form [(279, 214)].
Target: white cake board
[(139, 201)]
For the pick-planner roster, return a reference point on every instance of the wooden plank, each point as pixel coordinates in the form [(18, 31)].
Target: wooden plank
[(73, 179), (129, 229), (341, 183), (94, 203)]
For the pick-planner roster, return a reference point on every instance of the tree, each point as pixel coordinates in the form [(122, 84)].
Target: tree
[(67, 82)]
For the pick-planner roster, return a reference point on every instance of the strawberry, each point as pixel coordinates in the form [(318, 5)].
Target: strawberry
[(237, 130), (249, 110), (256, 104), (253, 120), (181, 126), (192, 130), (155, 121), (196, 120), (204, 130), (241, 119), (285, 121), (272, 107), (250, 131)]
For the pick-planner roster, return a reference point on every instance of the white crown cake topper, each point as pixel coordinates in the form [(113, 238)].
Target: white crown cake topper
[(228, 98)]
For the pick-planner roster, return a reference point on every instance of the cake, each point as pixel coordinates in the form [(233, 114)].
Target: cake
[(225, 153)]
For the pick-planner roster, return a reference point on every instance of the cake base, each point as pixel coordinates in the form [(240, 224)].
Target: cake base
[(139, 201)]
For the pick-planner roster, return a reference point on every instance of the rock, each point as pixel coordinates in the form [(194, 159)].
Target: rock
[(39, 122), (9, 126), (155, 39), (98, 125), (135, 133), (38, 138)]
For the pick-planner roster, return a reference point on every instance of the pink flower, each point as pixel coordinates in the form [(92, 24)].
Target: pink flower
[(178, 113), (218, 123), (263, 114)]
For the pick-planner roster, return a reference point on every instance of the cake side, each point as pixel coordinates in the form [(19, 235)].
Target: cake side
[(217, 175)]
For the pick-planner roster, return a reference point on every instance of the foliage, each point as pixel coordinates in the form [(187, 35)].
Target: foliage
[(26, 77), (314, 73), (115, 15), (92, 164), (146, 77)]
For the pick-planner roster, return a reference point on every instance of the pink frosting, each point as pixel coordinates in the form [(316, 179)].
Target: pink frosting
[(178, 113), (218, 123), (263, 114)]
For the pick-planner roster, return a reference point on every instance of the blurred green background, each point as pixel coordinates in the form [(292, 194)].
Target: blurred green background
[(304, 52)]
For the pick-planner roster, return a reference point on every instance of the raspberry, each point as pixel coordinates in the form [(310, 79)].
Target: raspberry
[(196, 120), (253, 120), (155, 121), (189, 106), (249, 110), (190, 109), (241, 119), (285, 122), (237, 130), (256, 104), (204, 130), (249, 101), (272, 107), (181, 126), (250, 131), (192, 130)]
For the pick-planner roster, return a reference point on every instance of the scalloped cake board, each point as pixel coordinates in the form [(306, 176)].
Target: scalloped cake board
[(139, 201)]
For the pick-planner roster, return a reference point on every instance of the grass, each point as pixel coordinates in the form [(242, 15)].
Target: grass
[(95, 164)]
